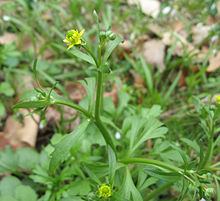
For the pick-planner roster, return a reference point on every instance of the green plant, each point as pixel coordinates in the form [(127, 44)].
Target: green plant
[(90, 163)]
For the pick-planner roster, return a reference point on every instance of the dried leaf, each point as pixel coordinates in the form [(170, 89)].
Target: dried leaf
[(214, 62), (149, 7), (153, 53), (8, 38), (24, 134)]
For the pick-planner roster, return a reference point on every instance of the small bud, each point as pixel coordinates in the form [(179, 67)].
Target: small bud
[(210, 192), (112, 36)]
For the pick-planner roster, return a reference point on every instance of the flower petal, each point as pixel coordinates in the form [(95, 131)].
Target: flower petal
[(82, 32)]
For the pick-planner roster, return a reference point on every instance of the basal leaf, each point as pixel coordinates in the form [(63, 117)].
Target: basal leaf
[(62, 149)]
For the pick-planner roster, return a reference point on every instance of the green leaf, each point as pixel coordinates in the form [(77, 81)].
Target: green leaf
[(7, 198), (110, 47), (8, 185), (32, 104), (75, 52), (148, 76), (6, 89), (128, 188), (148, 183), (27, 158), (81, 187), (62, 149), (112, 164), (25, 193), (72, 198), (92, 175), (89, 85), (143, 129), (191, 143), (8, 161), (2, 109), (85, 57), (172, 87), (166, 176)]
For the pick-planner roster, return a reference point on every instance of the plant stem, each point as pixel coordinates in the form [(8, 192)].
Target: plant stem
[(92, 55), (76, 107), (153, 162), (98, 121), (209, 150), (98, 95)]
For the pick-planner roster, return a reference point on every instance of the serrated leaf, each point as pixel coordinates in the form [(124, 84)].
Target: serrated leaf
[(110, 47), (25, 193), (62, 149)]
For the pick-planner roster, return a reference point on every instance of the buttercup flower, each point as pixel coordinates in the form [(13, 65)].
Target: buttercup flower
[(73, 37), (105, 191), (218, 99)]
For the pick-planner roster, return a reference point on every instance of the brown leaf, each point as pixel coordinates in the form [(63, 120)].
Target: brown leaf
[(8, 38), (20, 135), (153, 52), (149, 7), (214, 62)]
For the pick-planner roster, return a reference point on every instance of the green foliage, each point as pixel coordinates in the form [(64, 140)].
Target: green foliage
[(123, 143)]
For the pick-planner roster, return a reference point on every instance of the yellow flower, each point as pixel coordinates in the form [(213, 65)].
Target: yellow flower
[(73, 37), (218, 99), (105, 191)]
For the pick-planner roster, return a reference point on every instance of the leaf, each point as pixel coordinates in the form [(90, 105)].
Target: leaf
[(191, 143), (166, 176), (8, 185), (89, 85), (110, 47), (62, 149), (82, 56), (172, 87), (75, 52), (112, 164), (8, 161), (148, 76), (25, 193), (32, 104), (148, 182), (6, 89), (27, 158), (147, 129), (128, 188), (7, 198), (81, 187), (92, 175), (2, 109)]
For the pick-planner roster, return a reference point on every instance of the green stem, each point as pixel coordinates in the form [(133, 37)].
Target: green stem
[(98, 121), (158, 191), (76, 107), (98, 95), (153, 162), (208, 155), (93, 56)]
